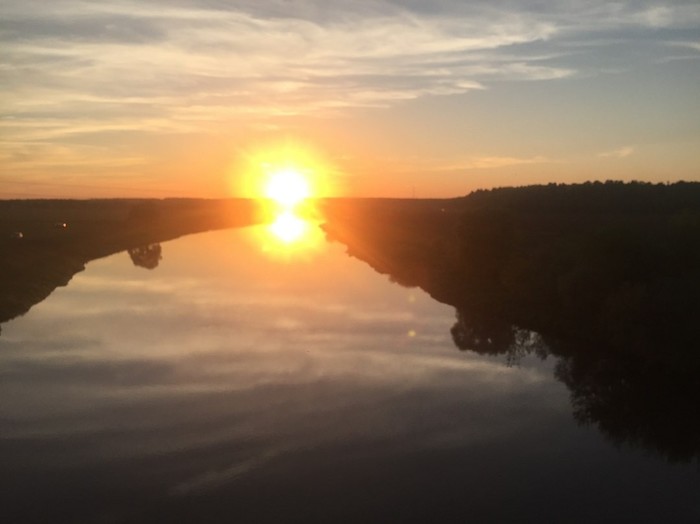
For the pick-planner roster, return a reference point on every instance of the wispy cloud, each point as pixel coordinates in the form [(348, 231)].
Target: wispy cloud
[(622, 152), (504, 161), (193, 63), (490, 162), (437, 165), (75, 69), (694, 45)]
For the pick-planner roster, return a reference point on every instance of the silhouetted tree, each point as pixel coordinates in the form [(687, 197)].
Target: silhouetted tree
[(146, 256)]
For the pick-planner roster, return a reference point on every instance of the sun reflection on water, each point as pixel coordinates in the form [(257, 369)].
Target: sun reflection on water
[(288, 227), (291, 232)]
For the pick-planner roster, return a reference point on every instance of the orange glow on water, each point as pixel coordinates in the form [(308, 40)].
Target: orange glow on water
[(290, 236), (289, 228)]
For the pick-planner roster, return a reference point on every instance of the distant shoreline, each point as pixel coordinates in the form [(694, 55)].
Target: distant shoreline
[(44, 242)]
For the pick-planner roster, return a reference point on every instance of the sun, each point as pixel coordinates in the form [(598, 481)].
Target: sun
[(284, 174), (288, 187)]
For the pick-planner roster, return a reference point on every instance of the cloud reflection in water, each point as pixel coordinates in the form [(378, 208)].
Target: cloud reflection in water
[(227, 370)]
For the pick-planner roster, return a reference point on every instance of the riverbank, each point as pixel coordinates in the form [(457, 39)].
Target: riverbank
[(43, 243)]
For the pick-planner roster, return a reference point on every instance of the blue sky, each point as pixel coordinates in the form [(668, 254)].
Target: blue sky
[(152, 98)]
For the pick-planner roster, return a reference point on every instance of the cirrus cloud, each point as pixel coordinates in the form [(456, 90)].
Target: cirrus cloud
[(622, 152), (82, 72)]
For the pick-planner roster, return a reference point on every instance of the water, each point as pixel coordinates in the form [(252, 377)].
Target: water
[(238, 381)]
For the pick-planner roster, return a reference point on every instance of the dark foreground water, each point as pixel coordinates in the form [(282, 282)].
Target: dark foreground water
[(233, 383)]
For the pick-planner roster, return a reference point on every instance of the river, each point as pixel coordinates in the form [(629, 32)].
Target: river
[(248, 380)]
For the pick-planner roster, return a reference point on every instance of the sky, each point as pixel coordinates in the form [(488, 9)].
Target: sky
[(154, 98)]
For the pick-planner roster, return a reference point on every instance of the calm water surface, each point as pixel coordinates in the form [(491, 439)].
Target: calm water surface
[(238, 383)]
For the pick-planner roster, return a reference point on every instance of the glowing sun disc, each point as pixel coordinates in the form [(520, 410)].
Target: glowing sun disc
[(287, 187)]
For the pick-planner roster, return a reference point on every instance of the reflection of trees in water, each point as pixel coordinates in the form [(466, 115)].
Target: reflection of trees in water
[(648, 398), (608, 274), (488, 335), (148, 256), (648, 402), (615, 296)]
